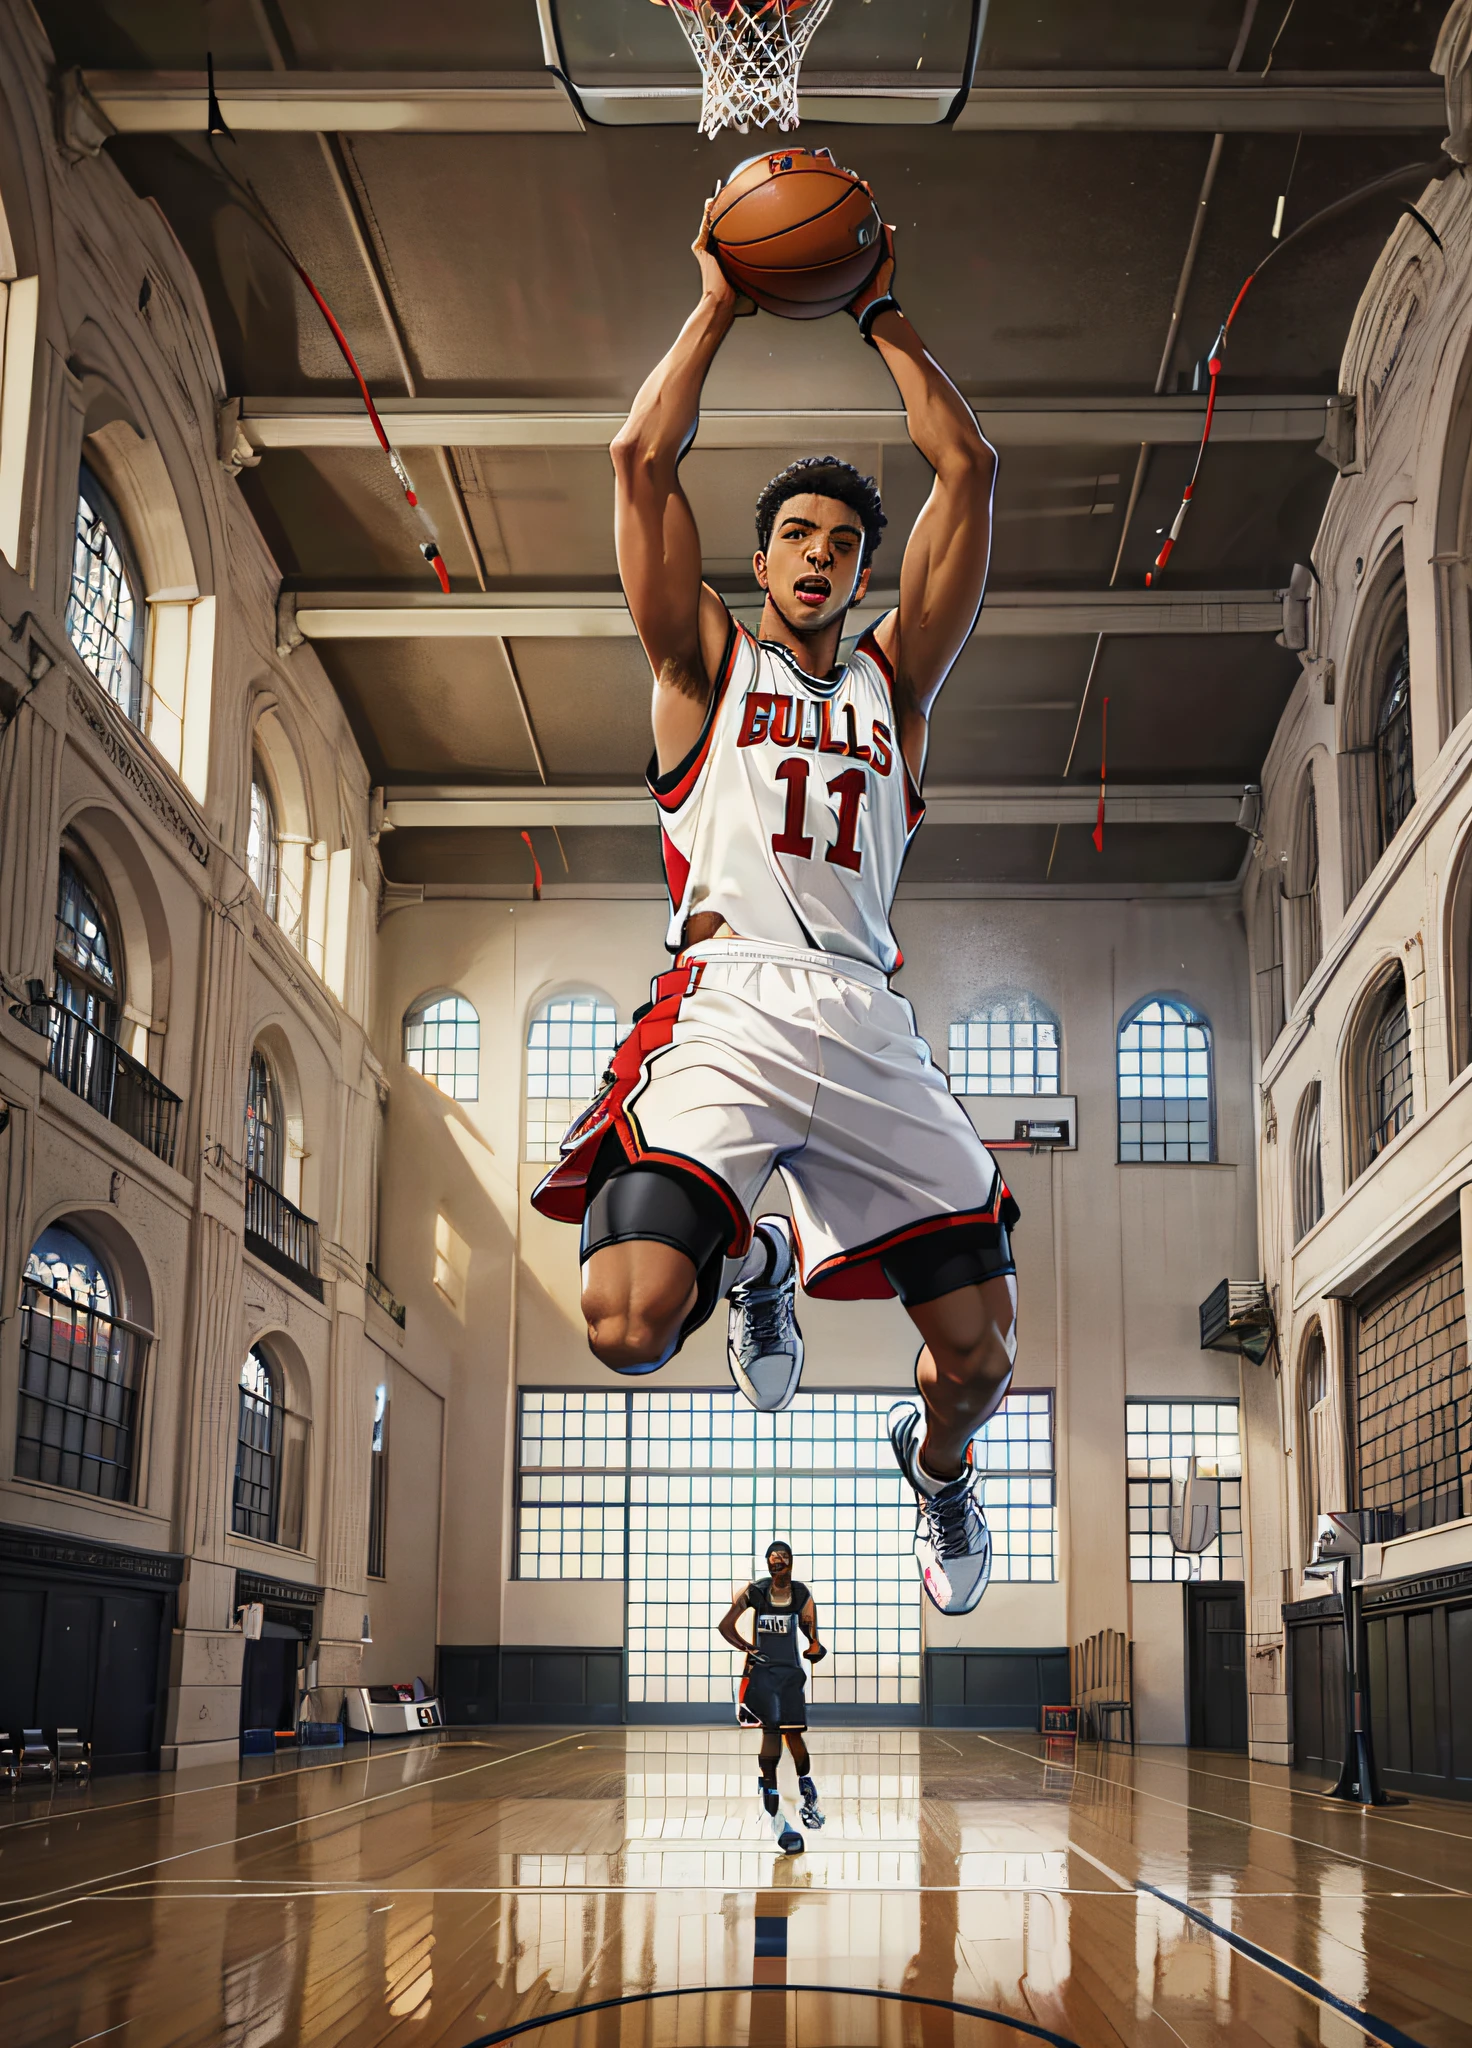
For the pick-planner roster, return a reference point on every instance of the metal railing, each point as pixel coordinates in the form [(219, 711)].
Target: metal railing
[(278, 1232), (95, 1067), (391, 1306)]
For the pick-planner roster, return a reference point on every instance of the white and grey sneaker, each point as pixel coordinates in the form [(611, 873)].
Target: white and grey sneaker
[(809, 1811), (789, 1841), (763, 1343), (952, 1545)]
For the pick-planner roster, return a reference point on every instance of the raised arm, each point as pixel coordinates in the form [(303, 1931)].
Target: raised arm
[(943, 574), (726, 1627), (681, 621)]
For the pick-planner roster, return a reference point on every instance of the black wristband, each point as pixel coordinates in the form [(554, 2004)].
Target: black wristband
[(888, 304)]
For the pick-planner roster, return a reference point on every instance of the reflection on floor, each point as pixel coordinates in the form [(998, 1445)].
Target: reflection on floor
[(436, 1893)]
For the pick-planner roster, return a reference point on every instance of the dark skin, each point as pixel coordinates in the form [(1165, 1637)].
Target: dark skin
[(779, 1566), (637, 1295)]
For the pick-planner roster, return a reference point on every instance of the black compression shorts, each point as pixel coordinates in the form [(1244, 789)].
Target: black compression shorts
[(774, 1696)]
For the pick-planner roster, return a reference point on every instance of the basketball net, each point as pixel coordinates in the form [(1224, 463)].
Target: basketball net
[(749, 53)]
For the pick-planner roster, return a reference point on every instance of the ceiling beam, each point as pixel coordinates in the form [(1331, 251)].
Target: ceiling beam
[(1198, 102), (602, 615), (440, 809), (269, 423)]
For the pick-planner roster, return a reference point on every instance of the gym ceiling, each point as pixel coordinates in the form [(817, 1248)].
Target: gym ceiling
[(508, 254)]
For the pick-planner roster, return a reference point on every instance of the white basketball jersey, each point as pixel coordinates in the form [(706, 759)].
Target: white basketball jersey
[(792, 815)]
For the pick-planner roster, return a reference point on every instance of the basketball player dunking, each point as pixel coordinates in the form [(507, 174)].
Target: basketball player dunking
[(788, 784)]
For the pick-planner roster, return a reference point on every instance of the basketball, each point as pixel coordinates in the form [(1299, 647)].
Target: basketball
[(796, 232)]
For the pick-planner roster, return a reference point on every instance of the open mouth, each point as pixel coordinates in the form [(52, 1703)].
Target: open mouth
[(812, 591)]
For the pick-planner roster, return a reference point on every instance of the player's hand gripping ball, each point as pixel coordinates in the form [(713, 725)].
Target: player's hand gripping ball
[(796, 232)]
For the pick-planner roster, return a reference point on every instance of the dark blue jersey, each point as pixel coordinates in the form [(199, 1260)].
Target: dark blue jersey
[(776, 1640)]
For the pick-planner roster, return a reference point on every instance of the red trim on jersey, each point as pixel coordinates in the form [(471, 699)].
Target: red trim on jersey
[(562, 1194), (858, 1276), (690, 769), (676, 867)]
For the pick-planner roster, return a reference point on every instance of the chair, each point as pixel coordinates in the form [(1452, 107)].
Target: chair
[(9, 1764), (73, 1755), (1108, 1714), (36, 1758)]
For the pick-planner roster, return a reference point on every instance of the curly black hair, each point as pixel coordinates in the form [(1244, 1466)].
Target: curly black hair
[(824, 476)]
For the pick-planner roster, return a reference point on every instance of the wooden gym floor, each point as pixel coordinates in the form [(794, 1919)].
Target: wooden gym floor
[(438, 1893)]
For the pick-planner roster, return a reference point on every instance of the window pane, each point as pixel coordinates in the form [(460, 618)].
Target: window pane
[(1169, 1433), (1009, 1046), (1165, 1110), (442, 1042), (103, 616), (569, 1045)]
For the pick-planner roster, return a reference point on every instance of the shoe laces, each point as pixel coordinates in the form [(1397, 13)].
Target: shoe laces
[(766, 1312), (951, 1516)]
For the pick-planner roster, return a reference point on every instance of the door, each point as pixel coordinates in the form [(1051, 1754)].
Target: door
[(268, 1696), (124, 1732), (1216, 1624)]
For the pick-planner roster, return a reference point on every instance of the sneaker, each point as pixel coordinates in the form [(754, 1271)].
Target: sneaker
[(810, 1813), (789, 1841), (763, 1343), (952, 1545)]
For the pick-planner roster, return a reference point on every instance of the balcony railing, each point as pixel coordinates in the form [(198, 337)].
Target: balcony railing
[(392, 1308), (91, 1065), (278, 1232)]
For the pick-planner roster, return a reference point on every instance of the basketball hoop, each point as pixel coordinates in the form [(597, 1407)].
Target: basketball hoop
[(749, 53)]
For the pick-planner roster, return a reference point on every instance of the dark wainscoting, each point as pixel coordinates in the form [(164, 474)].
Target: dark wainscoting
[(85, 1629), (993, 1688), (480, 1684), (1419, 1640)]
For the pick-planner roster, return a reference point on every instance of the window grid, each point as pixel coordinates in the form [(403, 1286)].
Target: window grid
[(261, 841), (1391, 1093), (568, 1046), (102, 619), (442, 1042), (81, 1372), (86, 980), (1007, 1047), (257, 1452), (1160, 1438), (263, 1134), (690, 1487), (1395, 778), (1165, 1110), (1413, 1399)]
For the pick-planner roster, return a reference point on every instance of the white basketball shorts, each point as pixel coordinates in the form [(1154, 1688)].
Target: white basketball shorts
[(754, 1058)]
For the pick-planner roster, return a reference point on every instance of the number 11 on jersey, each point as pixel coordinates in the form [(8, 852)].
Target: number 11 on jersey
[(848, 791)]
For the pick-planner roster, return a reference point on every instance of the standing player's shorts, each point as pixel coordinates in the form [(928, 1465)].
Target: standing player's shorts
[(773, 1696), (754, 1058)]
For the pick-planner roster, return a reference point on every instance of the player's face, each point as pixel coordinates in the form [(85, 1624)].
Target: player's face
[(779, 1564), (811, 568)]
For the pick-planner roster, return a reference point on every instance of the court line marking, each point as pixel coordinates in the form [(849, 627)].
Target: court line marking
[(51, 1929), (139, 1895), (1383, 1819), (1236, 1820), (54, 1812), (1377, 2029), (976, 2012), (86, 1884)]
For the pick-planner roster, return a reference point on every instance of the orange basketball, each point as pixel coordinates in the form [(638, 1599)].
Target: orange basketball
[(796, 232)]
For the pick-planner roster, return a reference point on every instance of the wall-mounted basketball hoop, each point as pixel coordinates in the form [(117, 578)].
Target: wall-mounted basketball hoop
[(750, 53)]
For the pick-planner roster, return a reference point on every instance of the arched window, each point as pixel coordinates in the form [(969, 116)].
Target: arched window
[(1315, 1435), (569, 1044), (378, 1486), (1007, 1046), (1305, 917), (264, 1149), (257, 1502), (81, 1371), (1308, 1163), (263, 841), (1394, 776), (86, 960), (1386, 1067), (104, 615), (1165, 1084), (442, 1042)]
